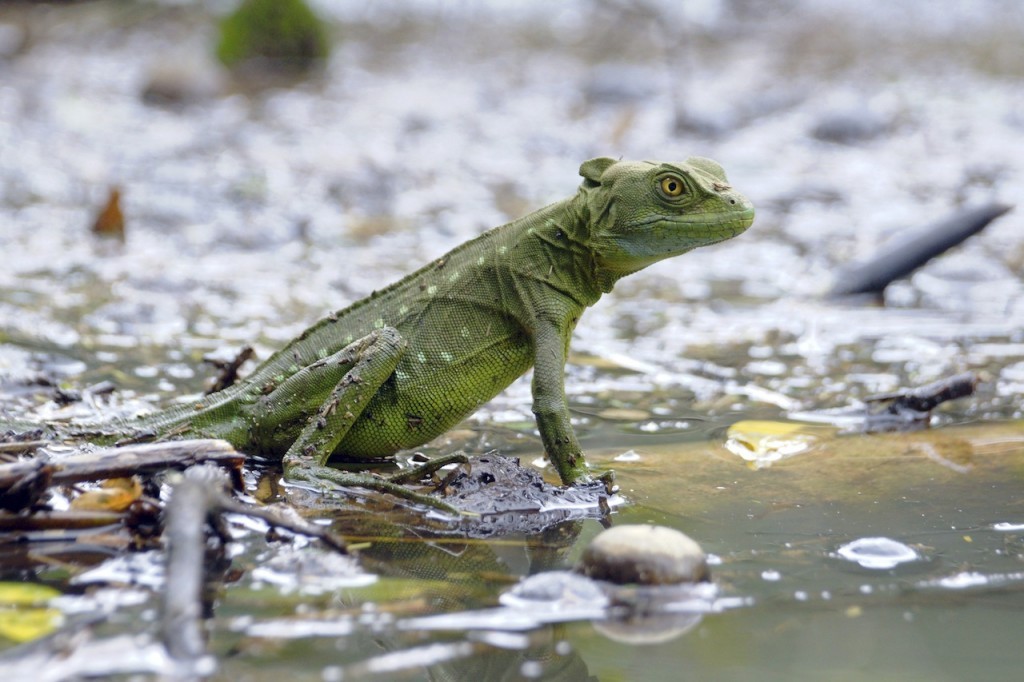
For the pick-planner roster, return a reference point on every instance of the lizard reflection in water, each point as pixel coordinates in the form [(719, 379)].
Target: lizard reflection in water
[(404, 365)]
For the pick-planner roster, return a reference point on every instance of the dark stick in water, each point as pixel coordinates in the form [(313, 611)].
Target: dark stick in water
[(901, 256)]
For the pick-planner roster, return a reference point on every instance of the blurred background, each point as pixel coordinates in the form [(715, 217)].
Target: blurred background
[(173, 183), (259, 193)]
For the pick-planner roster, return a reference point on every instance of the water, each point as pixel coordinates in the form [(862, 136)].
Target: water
[(251, 214), (933, 587)]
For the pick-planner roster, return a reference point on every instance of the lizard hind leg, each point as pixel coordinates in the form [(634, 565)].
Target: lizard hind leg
[(324, 399), (357, 372)]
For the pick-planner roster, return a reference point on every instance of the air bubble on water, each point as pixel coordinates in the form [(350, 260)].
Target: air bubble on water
[(877, 553), (628, 456), (1007, 527), (963, 580)]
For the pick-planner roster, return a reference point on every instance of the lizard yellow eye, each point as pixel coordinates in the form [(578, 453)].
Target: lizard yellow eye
[(672, 186)]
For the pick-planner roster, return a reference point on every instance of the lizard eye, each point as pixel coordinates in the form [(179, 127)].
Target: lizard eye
[(671, 186)]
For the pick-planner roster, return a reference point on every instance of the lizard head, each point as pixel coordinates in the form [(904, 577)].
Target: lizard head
[(642, 211)]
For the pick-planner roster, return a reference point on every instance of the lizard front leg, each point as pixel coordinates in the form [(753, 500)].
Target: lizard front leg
[(550, 407)]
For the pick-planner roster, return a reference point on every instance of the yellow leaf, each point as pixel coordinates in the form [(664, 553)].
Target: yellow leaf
[(23, 614), (762, 443), (24, 625), (25, 594), (116, 495)]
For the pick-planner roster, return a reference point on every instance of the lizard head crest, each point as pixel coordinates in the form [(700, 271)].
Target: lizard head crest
[(593, 169), (641, 212)]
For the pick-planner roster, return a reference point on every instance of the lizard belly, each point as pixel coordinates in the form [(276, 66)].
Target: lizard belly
[(432, 390)]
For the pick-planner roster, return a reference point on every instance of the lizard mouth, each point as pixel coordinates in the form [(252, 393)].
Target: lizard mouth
[(735, 222), (699, 226), (669, 235)]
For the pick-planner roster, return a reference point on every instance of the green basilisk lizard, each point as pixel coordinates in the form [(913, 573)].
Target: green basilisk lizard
[(405, 364)]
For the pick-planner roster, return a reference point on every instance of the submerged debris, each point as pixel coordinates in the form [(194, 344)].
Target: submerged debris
[(911, 409), (907, 409), (916, 403), (504, 497), (198, 501)]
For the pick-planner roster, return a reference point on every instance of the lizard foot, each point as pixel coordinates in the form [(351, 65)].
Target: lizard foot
[(328, 479), (422, 471)]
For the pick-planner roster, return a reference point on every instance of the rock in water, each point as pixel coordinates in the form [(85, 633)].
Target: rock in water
[(645, 555)]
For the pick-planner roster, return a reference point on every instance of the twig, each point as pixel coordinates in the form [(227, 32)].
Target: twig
[(228, 371), (192, 502), (126, 461), (18, 447), (201, 497), (58, 520), (926, 398), (287, 518)]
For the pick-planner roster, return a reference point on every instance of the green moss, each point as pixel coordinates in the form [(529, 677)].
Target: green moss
[(282, 34)]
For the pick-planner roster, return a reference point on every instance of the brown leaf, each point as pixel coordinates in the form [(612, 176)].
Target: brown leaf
[(110, 221)]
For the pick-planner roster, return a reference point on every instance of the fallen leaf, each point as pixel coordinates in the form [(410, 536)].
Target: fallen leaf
[(110, 221), (116, 495)]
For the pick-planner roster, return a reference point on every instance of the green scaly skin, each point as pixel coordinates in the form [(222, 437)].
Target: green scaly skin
[(402, 366)]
